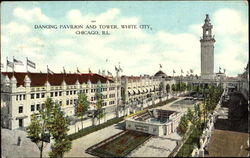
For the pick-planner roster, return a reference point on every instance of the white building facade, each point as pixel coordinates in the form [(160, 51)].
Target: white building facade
[(23, 94)]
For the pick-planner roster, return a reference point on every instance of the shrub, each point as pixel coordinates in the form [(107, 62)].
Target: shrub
[(92, 129)]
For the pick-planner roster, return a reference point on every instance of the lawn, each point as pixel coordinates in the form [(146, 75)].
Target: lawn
[(120, 146)]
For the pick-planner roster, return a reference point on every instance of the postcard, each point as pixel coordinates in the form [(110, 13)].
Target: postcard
[(124, 79)]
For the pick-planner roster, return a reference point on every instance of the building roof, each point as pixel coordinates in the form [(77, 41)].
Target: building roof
[(134, 78), (160, 73), (39, 79)]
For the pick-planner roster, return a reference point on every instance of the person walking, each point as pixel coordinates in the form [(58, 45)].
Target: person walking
[(18, 141)]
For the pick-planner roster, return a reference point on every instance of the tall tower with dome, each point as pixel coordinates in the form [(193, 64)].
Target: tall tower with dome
[(207, 50)]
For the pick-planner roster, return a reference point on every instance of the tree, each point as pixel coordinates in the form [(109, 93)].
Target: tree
[(36, 131), (59, 129), (183, 125), (173, 87), (190, 115), (99, 112), (82, 106), (189, 87), (168, 88)]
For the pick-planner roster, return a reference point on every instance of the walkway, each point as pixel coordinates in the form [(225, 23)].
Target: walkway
[(27, 148), (157, 146), (80, 145)]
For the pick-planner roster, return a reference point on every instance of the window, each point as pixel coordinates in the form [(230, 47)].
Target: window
[(32, 107), (92, 90), (86, 91), (83, 91), (37, 95), (55, 94), (20, 97), (60, 102), (43, 105), (42, 95), (60, 93), (75, 101), (67, 102), (20, 109), (71, 102), (70, 92), (67, 92), (17, 97), (32, 96), (51, 94), (23, 96), (37, 106), (74, 92)]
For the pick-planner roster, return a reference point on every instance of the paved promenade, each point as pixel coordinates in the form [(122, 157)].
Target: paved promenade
[(157, 146), (10, 149)]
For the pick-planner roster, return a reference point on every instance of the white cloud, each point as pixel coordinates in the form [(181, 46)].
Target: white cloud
[(14, 28), (138, 52), (31, 15)]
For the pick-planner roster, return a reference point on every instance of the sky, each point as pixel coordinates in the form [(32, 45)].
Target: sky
[(172, 40)]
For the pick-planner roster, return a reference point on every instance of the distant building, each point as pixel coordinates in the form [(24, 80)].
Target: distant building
[(136, 89), (207, 50)]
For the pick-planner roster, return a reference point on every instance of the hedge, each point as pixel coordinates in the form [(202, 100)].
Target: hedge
[(193, 140), (91, 129)]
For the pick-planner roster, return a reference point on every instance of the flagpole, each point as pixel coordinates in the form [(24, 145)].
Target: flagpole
[(6, 64), (13, 69), (27, 65), (47, 73)]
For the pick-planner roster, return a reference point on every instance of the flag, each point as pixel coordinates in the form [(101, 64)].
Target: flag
[(10, 64), (77, 70), (116, 69), (49, 71), (31, 64), (160, 66), (120, 69), (64, 71), (173, 71), (17, 62)]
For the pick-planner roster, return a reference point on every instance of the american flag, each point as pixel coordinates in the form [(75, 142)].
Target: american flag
[(31, 64), (17, 62)]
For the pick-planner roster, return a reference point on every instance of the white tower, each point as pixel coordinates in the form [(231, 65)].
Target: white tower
[(207, 50)]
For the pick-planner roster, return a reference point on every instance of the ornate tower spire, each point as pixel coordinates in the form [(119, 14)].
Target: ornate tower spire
[(207, 50)]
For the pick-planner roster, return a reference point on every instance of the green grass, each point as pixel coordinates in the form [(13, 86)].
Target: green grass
[(193, 140), (122, 145)]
